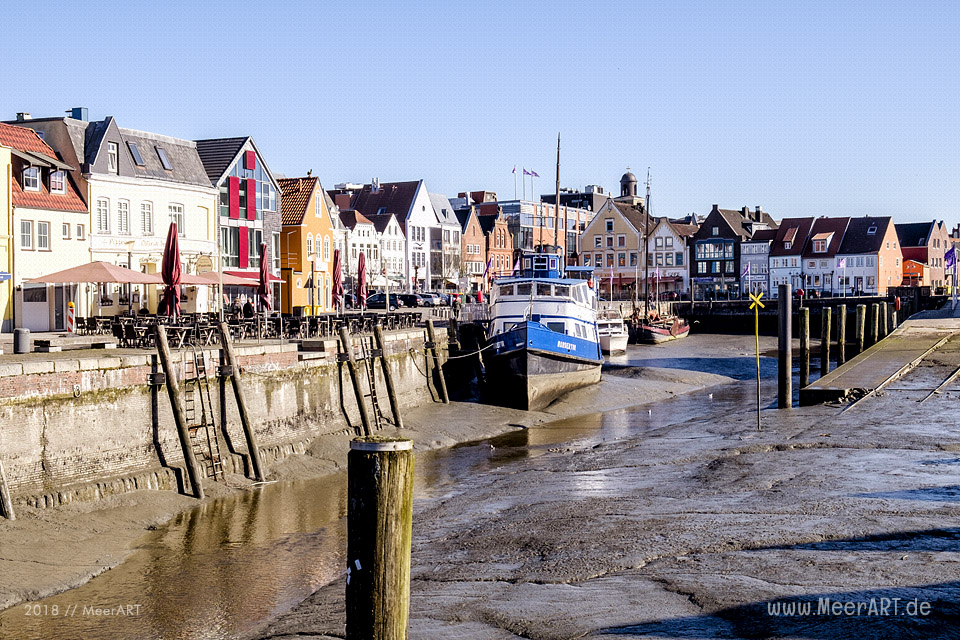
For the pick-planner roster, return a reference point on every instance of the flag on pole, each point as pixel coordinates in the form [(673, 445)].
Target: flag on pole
[(842, 263), (611, 280), (525, 172), (514, 172), (516, 266), (949, 258), (489, 264), (534, 173), (746, 270)]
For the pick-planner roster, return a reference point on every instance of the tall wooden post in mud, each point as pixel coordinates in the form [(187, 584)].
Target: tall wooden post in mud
[(379, 535), (804, 317), (6, 504), (173, 390), (431, 336), (884, 318), (841, 334), (860, 328), (825, 341), (874, 323), (785, 348), (249, 432), (347, 345), (387, 377)]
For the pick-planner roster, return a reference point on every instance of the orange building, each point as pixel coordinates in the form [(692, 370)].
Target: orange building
[(306, 246)]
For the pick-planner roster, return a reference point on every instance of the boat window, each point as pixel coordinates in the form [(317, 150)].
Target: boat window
[(579, 330), (544, 289), (524, 288), (562, 290), (506, 289), (578, 293), (555, 326)]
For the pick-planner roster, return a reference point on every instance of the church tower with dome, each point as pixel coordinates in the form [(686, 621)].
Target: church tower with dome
[(628, 190)]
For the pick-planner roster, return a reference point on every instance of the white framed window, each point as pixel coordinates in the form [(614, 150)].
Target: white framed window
[(31, 179), (81, 232), (66, 230), (58, 182), (103, 215), (26, 234), (146, 218), (123, 217), (609, 223), (326, 248), (309, 244), (176, 215), (43, 236), (276, 251), (317, 211), (113, 157)]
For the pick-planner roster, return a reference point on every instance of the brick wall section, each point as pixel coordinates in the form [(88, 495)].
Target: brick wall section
[(55, 443)]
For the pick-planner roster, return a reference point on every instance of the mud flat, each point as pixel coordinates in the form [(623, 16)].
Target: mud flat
[(46, 551)]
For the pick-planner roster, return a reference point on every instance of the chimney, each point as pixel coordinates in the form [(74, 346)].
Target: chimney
[(22, 116), (759, 213), (375, 185), (79, 113)]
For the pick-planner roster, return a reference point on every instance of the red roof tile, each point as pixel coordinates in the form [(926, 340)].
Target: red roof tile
[(24, 139), (43, 199), (294, 198)]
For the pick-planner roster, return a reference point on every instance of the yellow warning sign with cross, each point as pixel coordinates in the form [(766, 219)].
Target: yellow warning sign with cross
[(755, 297)]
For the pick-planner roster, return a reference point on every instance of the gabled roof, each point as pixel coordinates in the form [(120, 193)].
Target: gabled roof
[(185, 164), (685, 230), (381, 222), (392, 197), (857, 240), (33, 149), (93, 139), (443, 209), (295, 198), (218, 154), (824, 228), (351, 218), (635, 215), (792, 230), (915, 234), (463, 217), (23, 139), (763, 235)]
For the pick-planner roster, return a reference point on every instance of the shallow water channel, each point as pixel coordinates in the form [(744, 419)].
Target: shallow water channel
[(222, 569)]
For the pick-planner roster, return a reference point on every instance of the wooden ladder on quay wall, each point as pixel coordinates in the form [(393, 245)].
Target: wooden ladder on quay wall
[(368, 355), (203, 433)]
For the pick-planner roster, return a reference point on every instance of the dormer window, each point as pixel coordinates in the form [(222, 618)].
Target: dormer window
[(163, 159), (31, 179), (819, 246), (113, 157), (872, 231), (58, 182), (788, 245), (381, 211), (135, 152)]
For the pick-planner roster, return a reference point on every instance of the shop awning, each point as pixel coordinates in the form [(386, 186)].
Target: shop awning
[(99, 272), (252, 275), (212, 277)]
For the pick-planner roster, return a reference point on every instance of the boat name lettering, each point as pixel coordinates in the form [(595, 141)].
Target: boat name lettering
[(566, 345)]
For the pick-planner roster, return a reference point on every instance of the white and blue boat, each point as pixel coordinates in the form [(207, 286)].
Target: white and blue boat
[(542, 334)]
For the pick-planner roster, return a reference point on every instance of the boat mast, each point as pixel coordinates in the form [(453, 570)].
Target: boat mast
[(556, 213), (646, 254)]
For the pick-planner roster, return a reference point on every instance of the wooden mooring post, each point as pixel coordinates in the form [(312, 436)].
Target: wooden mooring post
[(861, 324), (173, 390), (874, 323), (434, 351), (379, 535), (893, 319), (347, 345), (884, 321), (824, 341), (231, 367), (6, 504), (387, 377), (841, 334), (804, 315), (785, 348)]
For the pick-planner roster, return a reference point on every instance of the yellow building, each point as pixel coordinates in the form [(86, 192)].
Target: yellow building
[(6, 215), (306, 246)]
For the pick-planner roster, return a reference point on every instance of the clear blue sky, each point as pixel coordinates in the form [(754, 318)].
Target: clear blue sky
[(810, 110)]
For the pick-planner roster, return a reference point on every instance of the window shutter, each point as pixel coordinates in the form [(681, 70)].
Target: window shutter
[(244, 247), (250, 160), (234, 185), (251, 198)]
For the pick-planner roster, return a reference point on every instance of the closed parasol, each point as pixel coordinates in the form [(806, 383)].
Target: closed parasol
[(362, 281), (171, 273), (337, 280), (263, 289)]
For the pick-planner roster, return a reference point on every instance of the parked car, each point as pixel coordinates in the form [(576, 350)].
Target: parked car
[(379, 301), (349, 300), (429, 299), (411, 299), (444, 299)]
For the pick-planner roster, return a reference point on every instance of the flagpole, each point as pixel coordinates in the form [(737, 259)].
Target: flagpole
[(524, 185), (514, 182)]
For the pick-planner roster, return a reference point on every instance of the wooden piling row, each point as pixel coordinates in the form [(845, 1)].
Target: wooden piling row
[(824, 341), (884, 318), (347, 345), (861, 324), (841, 334), (173, 390), (379, 537), (388, 377), (874, 323), (431, 336), (804, 316), (249, 432)]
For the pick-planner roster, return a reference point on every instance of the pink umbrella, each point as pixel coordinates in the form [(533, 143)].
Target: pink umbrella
[(263, 289), (170, 271), (337, 280), (362, 281)]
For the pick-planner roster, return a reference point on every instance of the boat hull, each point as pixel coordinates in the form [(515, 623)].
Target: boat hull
[(657, 334), (525, 372), (613, 343)]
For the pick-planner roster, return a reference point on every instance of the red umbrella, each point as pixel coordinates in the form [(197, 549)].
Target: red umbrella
[(170, 271), (263, 289), (337, 280), (362, 281)]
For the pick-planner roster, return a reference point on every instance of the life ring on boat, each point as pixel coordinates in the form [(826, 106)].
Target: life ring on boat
[(590, 282), (896, 303)]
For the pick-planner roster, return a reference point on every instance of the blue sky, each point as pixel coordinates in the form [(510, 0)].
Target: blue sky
[(806, 109)]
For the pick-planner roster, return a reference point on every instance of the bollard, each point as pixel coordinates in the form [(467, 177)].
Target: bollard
[(874, 323), (861, 324), (804, 316), (379, 534), (22, 341), (884, 328), (785, 348), (841, 334), (825, 341), (893, 318)]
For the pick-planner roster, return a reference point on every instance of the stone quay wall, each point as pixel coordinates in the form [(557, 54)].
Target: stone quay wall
[(79, 429)]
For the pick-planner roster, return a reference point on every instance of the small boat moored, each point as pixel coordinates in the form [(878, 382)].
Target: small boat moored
[(613, 331)]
